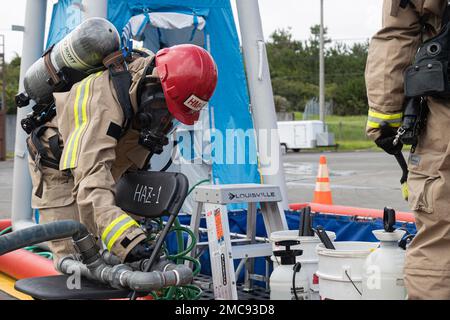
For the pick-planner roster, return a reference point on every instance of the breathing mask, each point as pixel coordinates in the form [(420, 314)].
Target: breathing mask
[(153, 119)]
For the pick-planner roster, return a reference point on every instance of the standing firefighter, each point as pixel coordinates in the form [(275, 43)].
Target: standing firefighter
[(397, 76), (113, 121)]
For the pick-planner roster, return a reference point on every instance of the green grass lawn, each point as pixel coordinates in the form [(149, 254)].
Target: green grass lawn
[(349, 131)]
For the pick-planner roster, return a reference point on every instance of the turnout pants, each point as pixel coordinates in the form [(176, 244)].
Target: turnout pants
[(427, 268)]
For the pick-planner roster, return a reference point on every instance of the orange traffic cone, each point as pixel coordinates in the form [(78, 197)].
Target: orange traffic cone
[(322, 193)]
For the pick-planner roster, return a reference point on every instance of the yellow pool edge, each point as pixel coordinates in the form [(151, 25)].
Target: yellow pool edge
[(7, 286)]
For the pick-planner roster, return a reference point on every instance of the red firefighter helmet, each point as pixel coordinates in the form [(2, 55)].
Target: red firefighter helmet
[(188, 77)]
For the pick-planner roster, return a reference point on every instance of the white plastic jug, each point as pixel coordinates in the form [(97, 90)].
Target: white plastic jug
[(289, 281), (309, 257), (383, 268)]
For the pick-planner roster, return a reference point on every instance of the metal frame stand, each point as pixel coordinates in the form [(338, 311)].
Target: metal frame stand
[(213, 199)]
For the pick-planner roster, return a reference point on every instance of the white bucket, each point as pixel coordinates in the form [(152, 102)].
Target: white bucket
[(308, 259), (341, 270)]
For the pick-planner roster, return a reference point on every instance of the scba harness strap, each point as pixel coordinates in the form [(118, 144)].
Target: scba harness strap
[(121, 79), (66, 77), (397, 4), (429, 74), (39, 153)]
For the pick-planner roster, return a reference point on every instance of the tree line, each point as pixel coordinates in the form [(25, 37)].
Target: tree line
[(12, 73), (294, 67)]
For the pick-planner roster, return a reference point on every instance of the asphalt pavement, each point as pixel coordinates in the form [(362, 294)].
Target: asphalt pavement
[(359, 179)]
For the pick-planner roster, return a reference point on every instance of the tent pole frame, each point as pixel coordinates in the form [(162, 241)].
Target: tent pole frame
[(261, 95), (33, 47)]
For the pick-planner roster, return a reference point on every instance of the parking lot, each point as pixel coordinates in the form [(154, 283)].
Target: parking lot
[(361, 179)]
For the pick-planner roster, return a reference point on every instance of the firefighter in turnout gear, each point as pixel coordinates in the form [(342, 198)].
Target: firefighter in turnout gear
[(406, 26), (94, 139)]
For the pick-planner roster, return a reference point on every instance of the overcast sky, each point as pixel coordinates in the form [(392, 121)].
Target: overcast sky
[(347, 20)]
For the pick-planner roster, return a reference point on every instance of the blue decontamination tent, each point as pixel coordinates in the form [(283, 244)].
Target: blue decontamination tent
[(210, 24)]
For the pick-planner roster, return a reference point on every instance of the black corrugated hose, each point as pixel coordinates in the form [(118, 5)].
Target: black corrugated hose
[(41, 233)]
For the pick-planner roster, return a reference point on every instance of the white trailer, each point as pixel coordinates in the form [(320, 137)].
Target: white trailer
[(296, 135)]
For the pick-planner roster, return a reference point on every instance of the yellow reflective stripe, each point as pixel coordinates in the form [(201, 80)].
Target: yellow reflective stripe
[(84, 119), (75, 107), (372, 124), (112, 225), (81, 120), (119, 233), (405, 191), (116, 228), (376, 125), (80, 128), (383, 116)]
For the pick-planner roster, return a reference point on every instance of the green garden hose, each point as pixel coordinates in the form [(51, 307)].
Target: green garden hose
[(39, 252), (197, 184), (189, 292), (4, 231)]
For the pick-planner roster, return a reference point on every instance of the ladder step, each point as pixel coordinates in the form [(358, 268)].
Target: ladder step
[(252, 250)]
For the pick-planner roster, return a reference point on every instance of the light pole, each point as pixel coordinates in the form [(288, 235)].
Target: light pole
[(3, 99), (322, 69), (261, 94)]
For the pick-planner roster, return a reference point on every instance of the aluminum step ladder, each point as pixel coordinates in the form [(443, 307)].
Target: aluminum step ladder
[(213, 200)]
